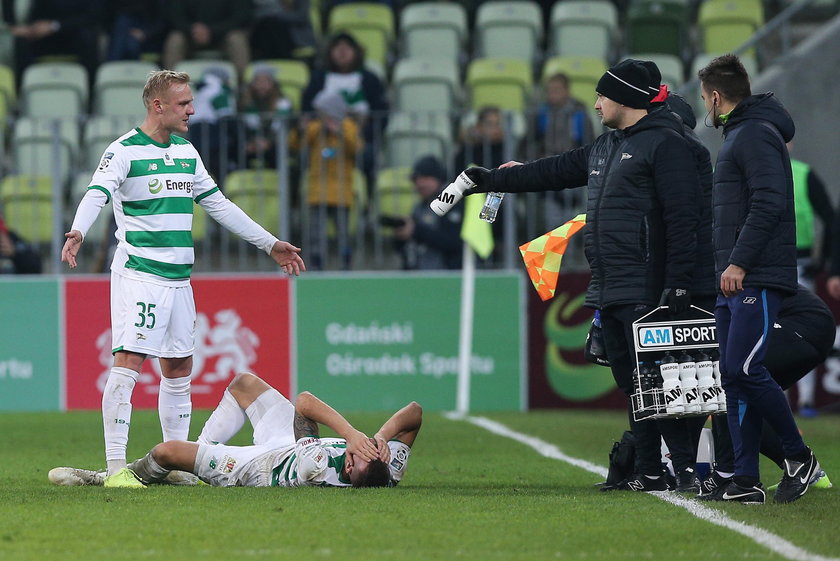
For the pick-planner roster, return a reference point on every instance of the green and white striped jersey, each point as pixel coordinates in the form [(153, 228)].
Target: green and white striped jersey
[(153, 187), (285, 473)]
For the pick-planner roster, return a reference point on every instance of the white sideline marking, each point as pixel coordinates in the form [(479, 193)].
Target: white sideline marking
[(771, 541)]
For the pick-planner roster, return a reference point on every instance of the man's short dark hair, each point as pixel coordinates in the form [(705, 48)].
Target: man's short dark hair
[(728, 76), (377, 474)]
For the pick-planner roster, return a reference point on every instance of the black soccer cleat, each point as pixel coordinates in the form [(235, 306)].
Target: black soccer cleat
[(735, 493), (643, 483), (687, 481), (796, 479)]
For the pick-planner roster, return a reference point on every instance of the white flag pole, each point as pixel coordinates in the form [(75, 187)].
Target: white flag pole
[(466, 331)]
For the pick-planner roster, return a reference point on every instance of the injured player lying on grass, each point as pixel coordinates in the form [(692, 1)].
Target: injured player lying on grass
[(287, 449)]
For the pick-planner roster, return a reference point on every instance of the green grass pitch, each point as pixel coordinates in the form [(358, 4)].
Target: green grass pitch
[(468, 494)]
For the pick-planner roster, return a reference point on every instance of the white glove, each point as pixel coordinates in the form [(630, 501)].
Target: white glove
[(311, 458), (453, 193)]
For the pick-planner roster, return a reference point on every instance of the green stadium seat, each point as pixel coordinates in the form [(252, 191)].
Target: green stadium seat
[(670, 66), (372, 25), (34, 145), (54, 89), (433, 29), (395, 192), (293, 76), (27, 206), (119, 88), (409, 135), (197, 67), (256, 192), (509, 30), (726, 24), (424, 84), (99, 133), (657, 26), (583, 28), (503, 82), (583, 74), (7, 86)]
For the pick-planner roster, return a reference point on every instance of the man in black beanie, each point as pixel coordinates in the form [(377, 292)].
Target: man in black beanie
[(642, 217)]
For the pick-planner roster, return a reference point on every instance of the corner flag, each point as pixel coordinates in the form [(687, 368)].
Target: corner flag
[(543, 255)]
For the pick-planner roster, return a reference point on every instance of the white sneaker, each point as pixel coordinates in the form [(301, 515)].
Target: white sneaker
[(73, 477)]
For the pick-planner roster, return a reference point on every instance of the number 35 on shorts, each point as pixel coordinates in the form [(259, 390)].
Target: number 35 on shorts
[(146, 315)]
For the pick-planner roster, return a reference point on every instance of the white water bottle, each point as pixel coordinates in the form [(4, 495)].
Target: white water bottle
[(671, 387), (491, 206), (706, 383), (688, 380), (452, 195), (721, 395)]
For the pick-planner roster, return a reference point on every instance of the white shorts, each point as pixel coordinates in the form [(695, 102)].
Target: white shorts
[(272, 416), (152, 319)]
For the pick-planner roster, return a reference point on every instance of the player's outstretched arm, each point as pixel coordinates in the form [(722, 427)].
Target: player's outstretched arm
[(288, 257), (71, 247), (403, 425), (312, 408)]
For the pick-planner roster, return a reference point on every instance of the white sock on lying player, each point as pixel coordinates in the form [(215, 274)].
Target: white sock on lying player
[(224, 422)]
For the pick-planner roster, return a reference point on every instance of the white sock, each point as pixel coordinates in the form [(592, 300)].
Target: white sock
[(175, 408), (116, 415), (224, 422)]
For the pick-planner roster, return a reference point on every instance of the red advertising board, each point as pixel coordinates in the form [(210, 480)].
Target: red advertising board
[(242, 325)]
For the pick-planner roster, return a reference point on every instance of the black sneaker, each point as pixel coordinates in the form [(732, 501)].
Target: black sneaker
[(714, 481), (640, 482), (796, 479), (687, 482), (735, 493)]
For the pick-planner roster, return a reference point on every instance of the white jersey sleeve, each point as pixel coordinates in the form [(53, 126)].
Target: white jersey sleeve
[(112, 170), (203, 183)]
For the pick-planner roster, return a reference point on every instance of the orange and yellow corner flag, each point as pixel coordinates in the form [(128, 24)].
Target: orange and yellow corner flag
[(543, 255), (476, 232)]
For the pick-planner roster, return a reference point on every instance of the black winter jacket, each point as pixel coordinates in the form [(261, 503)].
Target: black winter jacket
[(754, 222), (703, 277), (642, 209)]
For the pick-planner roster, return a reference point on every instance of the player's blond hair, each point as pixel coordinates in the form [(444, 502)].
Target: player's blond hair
[(159, 82)]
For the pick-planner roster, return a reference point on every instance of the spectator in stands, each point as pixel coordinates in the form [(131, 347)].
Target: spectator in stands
[(136, 27), (208, 24), (362, 90), (282, 29), (483, 142), (331, 143), (59, 27), (426, 240), (261, 106), (16, 255), (212, 128), (562, 122)]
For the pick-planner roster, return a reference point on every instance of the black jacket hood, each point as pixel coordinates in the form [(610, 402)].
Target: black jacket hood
[(659, 117), (765, 107), (677, 104)]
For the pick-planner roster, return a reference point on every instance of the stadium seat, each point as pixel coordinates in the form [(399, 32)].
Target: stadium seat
[(657, 26), (256, 192), (433, 29), (54, 89), (372, 25), (119, 88), (196, 68), (583, 74), (505, 83), (409, 135), (509, 30), (424, 84), (726, 24), (35, 142), (27, 206), (395, 192), (670, 66), (293, 76), (583, 28), (8, 87), (99, 133)]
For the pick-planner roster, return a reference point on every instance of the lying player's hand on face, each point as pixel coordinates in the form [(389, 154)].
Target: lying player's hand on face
[(362, 446), (384, 450)]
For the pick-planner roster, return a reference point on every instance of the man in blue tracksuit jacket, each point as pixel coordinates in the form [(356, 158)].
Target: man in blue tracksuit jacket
[(754, 237)]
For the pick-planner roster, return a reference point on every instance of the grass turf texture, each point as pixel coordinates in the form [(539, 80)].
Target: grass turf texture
[(468, 495)]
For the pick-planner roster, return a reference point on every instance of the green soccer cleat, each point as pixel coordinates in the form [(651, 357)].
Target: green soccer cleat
[(124, 478), (821, 481)]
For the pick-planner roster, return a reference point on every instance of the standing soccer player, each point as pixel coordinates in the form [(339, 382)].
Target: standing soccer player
[(754, 235), (154, 177)]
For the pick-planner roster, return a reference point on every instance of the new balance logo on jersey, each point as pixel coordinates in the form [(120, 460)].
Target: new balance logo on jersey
[(749, 300), (625, 156), (594, 172), (152, 167)]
